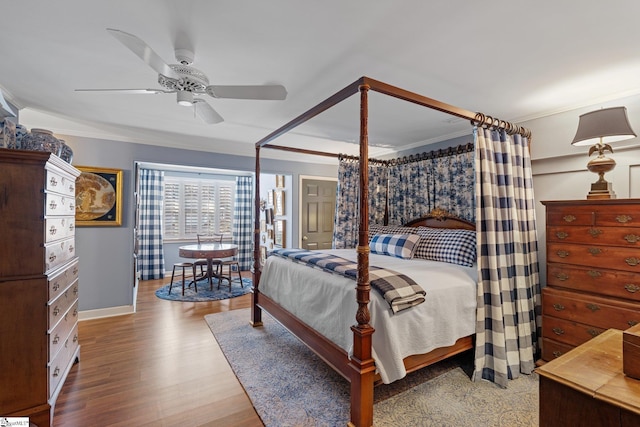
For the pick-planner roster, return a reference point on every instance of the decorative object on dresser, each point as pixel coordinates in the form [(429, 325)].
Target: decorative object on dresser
[(588, 387), (593, 271), (598, 129), (38, 282)]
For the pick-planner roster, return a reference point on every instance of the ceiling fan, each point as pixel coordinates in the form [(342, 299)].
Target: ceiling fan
[(187, 82)]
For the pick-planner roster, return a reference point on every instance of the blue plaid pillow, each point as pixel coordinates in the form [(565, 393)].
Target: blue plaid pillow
[(447, 245), (397, 245), (389, 229)]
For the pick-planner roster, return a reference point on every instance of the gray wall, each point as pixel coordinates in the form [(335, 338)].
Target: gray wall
[(106, 263)]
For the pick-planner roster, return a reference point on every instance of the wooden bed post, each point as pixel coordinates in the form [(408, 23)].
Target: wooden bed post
[(361, 361), (256, 311)]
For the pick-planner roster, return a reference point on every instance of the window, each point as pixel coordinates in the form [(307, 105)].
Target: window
[(197, 206)]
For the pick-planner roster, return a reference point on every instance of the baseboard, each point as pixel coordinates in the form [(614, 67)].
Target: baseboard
[(105, 312)]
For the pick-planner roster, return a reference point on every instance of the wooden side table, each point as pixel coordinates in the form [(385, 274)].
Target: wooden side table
[(587, 386)]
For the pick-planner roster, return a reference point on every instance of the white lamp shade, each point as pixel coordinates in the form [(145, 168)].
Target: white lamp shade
[(610, 124)]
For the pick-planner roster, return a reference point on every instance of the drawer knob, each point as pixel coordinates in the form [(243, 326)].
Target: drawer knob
[(595, 232), (52, 257), (56, 286), (632, 322), (75, 338), (558, 307), (593, 307), (53, 205), (632, 238), (53, 181), (632, 261), (594, 273), (56, 372), (56, 311), (558, 331), (623, 219), (593, 332), (569, 218), (562, 235), (595, 251), (56, 339), (632, 288), (563, 253), (53, 230), (557, 353), (562, 276)]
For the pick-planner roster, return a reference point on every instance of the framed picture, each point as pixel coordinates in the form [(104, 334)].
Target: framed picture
[(280, 181), (263, 225), (270, 198), (263, 254), (278, 202), (268, 214), (99, 197), (279, 231)]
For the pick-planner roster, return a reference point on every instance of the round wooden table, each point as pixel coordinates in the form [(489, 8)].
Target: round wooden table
[(211, 252)]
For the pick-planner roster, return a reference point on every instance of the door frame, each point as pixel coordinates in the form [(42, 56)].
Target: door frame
[(300, 188)]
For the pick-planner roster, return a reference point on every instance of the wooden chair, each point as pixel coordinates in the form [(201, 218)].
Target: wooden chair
[(183, 266), (203, 262), (229, 263)]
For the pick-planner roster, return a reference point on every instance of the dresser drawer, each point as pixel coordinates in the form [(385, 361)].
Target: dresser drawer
[(594, 214), (553, 349), (56, 228), (56, 204), (613, 283), (65, 308), (589, 309), (617, 236), (568, 332), (59, 334), (60, 279), (57, 253), (627, 259), (60, 183), (60, 364)]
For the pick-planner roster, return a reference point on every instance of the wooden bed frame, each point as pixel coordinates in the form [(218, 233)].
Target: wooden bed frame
[(359, 369)]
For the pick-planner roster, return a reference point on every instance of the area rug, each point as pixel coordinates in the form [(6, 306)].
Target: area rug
[(290, 386), (204, 293)]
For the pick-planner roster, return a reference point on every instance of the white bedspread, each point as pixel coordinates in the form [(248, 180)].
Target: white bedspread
[(327, 303)]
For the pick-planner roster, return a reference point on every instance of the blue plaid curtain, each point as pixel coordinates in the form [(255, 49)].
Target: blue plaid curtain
[(150, 250), (345, 229), (243, 221), (508, 277), (417, 187)]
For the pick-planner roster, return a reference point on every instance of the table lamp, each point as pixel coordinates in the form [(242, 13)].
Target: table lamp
[(598, 129)]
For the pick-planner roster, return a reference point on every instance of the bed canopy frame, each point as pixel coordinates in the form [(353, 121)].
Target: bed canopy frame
[(361, 363)]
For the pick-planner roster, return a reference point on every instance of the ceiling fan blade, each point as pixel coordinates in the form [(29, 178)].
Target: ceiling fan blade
[(206, 112), (144, 52), (132, 91), (266, 92)]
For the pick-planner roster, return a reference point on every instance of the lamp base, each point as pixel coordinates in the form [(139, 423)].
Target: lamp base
[(601, 190)]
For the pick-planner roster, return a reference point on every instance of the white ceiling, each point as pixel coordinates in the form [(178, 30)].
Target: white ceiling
[(514, 60)]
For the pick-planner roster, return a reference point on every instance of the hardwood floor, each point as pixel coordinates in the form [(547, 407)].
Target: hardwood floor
[(158, 367)]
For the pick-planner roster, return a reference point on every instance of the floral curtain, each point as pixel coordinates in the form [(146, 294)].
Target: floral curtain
[(444, 181), (150, 249), (345, 230), (508, 276), (243, 221)]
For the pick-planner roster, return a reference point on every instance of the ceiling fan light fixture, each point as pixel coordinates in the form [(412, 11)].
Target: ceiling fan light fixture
[(185, 98)]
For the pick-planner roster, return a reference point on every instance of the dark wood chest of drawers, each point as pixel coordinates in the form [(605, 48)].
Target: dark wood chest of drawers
[(593, 271), (38, 282)]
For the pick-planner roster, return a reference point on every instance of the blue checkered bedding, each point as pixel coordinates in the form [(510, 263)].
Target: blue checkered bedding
[(400, 291)]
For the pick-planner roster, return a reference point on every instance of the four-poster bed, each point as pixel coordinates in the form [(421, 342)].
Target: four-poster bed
[(357, 363)]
